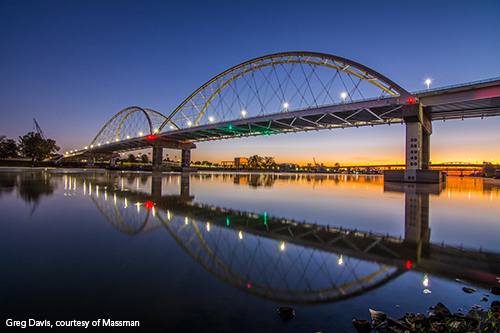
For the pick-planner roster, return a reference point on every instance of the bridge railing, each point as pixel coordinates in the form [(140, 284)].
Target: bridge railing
[(457, 85)]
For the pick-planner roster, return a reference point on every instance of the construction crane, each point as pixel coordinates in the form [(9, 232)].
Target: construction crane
[(38, 129)]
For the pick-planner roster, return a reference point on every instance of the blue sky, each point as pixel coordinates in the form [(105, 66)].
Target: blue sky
[(73, 65)]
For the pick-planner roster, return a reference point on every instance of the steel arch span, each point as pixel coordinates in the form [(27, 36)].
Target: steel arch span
[(280, 83), (262, 267), (129, 123)]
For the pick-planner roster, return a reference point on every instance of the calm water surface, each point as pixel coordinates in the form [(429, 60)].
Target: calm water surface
[(217, 252)]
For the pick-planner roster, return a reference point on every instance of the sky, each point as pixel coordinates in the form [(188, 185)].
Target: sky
[(73, 65)]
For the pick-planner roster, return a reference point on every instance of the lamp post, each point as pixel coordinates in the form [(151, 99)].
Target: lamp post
[(428, 82)]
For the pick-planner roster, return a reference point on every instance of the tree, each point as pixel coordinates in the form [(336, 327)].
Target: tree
[(8, 148), (34, 146), (144, 158), (131, 158), (489, 170), (268, 162), (255, 161)]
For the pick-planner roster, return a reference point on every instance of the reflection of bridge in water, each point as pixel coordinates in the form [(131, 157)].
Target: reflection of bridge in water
[(286, 260)]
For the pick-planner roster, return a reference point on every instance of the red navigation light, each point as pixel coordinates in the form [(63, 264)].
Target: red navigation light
[(411, 100), (408, 264), (151, 137), (149, 205)]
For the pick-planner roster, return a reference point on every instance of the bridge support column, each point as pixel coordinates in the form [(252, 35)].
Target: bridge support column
[(186, 158), (90, 161), (112, 161), (417, 150), (417, 233), (156, 186), (185, 187), (157, 156)]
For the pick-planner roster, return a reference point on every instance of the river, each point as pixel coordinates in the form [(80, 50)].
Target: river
[(221, 252)]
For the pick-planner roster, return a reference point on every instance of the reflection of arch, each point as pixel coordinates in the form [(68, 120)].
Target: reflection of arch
[(194, 240), (253, 96), (125, 217), (129, 123)]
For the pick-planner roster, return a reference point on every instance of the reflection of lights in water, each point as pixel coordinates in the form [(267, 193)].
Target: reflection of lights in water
[(74, 184), (186, 221), (125, 203), (84, 188), (208, 226), (427, 291), (240, 235), (341, 260), (105, 195), (153, 211), (97, 191), (426, 281), (138, 204), (168, 215), (90, 189), (282, 247), (114, 198)]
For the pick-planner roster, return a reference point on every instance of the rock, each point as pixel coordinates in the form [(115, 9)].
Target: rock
[(495, 290), (469, 290), (286, 313), (484, 299), (477, 315), (391, 322), (377, 317), (440, 308), (362, 325), (421, 320), (495, 306)]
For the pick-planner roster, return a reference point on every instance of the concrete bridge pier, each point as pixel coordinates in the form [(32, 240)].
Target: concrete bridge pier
[(157, 156), (158, 144), (186, 158), (417, 149), (417, 232)]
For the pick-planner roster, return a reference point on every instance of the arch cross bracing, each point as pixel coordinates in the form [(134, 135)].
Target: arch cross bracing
[(263, 267), (128, 217), (130, 123), (279, 84), (259, 265)]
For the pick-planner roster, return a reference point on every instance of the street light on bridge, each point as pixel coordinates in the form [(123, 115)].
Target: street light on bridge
[(428, 82), (343, 95)]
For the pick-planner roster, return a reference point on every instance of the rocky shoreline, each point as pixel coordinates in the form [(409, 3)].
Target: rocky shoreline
[(441, 320)]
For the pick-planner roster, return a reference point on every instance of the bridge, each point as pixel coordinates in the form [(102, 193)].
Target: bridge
[(282, 259), (298, 91)]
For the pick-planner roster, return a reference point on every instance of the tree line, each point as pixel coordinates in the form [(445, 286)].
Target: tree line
[(266, 162), (31, 145)]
